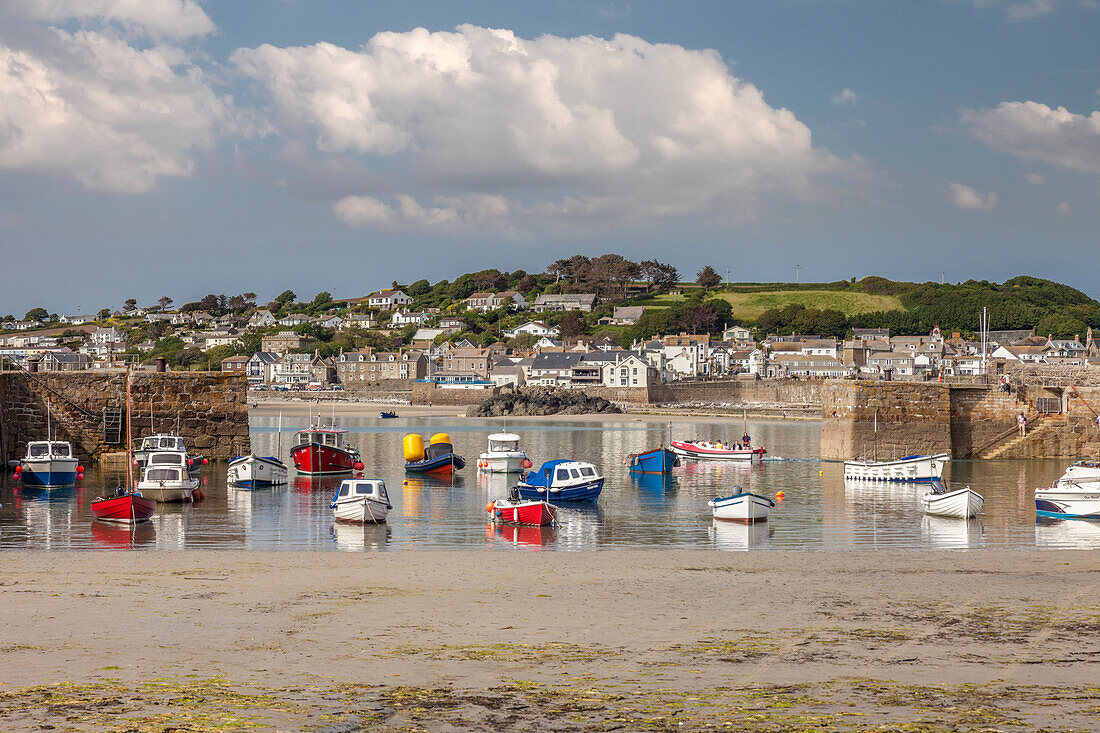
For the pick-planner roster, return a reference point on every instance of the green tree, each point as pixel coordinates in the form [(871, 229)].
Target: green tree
[(287, 296), (322, 300), (571, 324), (36, 314), (707, 278)]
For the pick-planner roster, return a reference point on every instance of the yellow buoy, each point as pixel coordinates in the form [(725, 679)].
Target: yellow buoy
[(414, 447), (440, 438)]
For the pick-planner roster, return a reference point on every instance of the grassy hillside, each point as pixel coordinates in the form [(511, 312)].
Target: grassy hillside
[(753, 305)]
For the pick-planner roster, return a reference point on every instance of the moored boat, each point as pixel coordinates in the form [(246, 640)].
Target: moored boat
[(166, 478), (716, 450), (322, 450), (125, 507), (503, 455), (562, 480), (166, 443), (658, 460), (437, 457), (387, 415), (48, 463), (963, 503), (517, 510), (256, 471), (1080, 472), (743, 506), (925, 468), (363, 501), (1070, 500)]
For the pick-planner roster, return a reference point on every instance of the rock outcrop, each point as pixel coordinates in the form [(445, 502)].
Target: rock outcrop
[(542, 401)]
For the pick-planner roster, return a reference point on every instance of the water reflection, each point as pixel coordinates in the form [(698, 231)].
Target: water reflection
[(110, 536), (819, 510), (525, 537)]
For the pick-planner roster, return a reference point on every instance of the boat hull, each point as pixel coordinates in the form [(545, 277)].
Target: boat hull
[(441, 464), (963, 504), (126, 509), (587, 491), (661, 460), (323, 460), (501, 462), (692, 450), (169, 492), (745, 507), (48, 472), (256, 472), (1081, 502), (524, 512), (360, 511), (924, 469)]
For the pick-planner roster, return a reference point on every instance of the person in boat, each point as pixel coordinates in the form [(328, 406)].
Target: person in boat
[(746, 440)]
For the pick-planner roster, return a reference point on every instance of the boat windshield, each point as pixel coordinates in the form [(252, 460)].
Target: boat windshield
[(39, 451), (162, 474), (587, 472), (501, 446), (563, 474), (170, 459), (305, 438), (171, 443)]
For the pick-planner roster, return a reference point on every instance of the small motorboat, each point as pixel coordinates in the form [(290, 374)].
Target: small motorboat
[(517, 510), (322, 450), (562, 480), (437, 457), (363, 501), (924, 468), (387, 415), (165, 443), (48, 463), (1069, 500), (716, 450), (1081, 472), (659, 460), (126, 507), (963, 503), (744, 506), (166, 481), (256, 472), (503, 455)]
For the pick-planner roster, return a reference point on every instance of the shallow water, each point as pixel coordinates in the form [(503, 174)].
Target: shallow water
[(820, 510)]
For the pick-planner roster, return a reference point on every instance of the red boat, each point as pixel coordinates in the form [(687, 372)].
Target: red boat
[(716, 450), (123, 507), (523, 511), (321, 450)]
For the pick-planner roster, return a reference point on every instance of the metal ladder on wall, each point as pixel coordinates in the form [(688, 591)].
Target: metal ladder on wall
[(112, 425)]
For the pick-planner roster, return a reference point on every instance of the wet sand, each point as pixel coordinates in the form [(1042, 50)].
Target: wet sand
[(556, 641)]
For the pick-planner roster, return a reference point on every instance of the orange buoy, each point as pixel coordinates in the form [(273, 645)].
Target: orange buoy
[(490, 507), (779, 495)]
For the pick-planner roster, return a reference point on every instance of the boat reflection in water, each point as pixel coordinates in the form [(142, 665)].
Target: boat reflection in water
[(309, 484), (1079, 534), (171, 525), (655, 483), (951, 533), (496, 485), (360, 537), (739, 536), (578, 525), (530, 537), (736, 472), (893, 499), (114, 536)]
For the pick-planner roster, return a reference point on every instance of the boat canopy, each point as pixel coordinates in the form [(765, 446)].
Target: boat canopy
[(562, 472), (162, 474), (48, 448), (322, 436), (503, 442), (375, 489), (166, 458), (163, 442)]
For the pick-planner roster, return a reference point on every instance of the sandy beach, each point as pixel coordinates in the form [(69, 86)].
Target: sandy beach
[(556, 641)]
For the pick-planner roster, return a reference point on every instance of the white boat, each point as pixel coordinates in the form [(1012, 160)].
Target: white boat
[(716, 450), (1081, 500), (503, 455), (362, 501), (166, 478), (48, 463), (964, 503), (157, 444), (256, 471), (1079, 473), (910, 468), (743, 506)]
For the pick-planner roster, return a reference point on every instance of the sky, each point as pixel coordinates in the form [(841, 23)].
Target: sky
[(179, 147)]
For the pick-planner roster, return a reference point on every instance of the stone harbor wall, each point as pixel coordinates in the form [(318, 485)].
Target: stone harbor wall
[(792, 394), (911, 418), (209, 409), (427, 393)]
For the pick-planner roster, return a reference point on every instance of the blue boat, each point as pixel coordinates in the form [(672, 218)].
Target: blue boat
[(48, 463), (562, 480), (387, 415), (445, 462), (659, 460)]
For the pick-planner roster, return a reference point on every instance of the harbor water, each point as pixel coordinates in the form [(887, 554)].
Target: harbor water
[(820, 511)]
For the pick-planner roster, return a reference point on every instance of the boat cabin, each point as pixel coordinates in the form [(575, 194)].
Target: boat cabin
[(322, 436), (164, 474), (167, 458), (563, 473), (368, 489), (49, 449), (503, 443), (163, 442)]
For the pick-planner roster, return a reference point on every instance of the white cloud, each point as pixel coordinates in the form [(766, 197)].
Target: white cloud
[(550, 129), (1063, 209), (846, 96), (89, 106), (175, 19), (1034, 131), (1020, 9), (965, 197), (1036, 179)]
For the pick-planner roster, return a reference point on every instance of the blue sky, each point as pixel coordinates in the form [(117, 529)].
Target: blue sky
[(168, 147)]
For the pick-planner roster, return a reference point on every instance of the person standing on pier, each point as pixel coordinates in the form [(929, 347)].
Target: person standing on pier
[(1022, 421)]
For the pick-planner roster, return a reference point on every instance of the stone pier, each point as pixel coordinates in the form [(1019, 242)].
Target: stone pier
[(208, 409)]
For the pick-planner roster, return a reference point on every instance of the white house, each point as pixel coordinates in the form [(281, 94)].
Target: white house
[(388, 299), (219, 339), (106, 335), (331, 322), (76, 320), (295, 319), (535, 328), (564, 302), (359, 320), (408, 318), (262, 319)]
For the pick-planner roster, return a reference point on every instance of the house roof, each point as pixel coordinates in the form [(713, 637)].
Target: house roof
[(629, 311), (556, 360)]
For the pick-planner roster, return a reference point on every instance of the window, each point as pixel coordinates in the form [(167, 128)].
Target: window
[(576, 473), (344, 490), (587, 472), (162, 474), (563, 474), (39, 451), (165, 459)]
